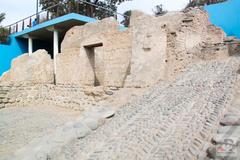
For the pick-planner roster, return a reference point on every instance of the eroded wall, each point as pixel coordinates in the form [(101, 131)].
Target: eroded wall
[(35, 69), (163, 46), (95, 50), (152, 49), (191, 38), (149, 48)]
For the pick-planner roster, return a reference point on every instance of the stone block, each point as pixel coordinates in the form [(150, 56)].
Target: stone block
[(231, 139), (81, 129), (230, 121)]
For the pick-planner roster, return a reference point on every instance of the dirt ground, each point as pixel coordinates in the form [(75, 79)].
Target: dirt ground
[(20, 125)]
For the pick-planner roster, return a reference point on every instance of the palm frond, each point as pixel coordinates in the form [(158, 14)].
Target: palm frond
[(2, 17)]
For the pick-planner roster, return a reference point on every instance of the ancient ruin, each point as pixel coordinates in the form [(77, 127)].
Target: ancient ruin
[(159, 89)]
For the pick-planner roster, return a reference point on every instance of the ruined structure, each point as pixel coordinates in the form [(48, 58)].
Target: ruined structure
[(187, 66), (96, 54), (151, 50)]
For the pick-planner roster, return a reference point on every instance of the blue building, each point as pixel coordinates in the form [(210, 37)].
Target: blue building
[(226, 15), (47, 35)]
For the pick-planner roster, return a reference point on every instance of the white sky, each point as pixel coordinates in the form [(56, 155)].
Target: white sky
[(19, 9)]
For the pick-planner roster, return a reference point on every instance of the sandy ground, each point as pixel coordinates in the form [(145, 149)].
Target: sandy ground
[(20, 125)]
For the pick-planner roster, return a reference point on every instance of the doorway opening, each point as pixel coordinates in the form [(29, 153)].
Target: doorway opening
[(95, 57)]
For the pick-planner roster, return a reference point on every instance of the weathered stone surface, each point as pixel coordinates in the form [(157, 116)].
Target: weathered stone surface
[(232, 114), (163, 46), (227, 152), (231, 121), (37, 68), (92, 123), (67, 96), (149, 51), (229, 130), (226, 138), (94, 91), (100, 113), (109, 93), (95, 54), (81, 130), (211, 152)]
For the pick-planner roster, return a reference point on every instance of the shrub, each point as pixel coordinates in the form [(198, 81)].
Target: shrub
[(197, 3), (4, 33)]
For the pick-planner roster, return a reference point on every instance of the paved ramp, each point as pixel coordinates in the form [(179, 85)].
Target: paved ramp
[(171, 121)]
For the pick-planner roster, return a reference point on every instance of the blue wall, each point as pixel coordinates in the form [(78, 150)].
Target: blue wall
[(10, 51), (226, 15)]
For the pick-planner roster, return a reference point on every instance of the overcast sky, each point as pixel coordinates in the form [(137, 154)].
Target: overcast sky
[(19, 9)]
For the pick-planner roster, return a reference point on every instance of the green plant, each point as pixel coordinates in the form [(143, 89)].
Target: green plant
[(195, 3), (2, 17), (4, 33)]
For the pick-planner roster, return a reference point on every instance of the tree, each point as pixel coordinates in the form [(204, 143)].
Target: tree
[(195, 3), (2, 17), (3, 31), (82, 7)]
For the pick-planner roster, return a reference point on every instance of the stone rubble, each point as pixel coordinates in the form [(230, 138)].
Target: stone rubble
[(226, 142)]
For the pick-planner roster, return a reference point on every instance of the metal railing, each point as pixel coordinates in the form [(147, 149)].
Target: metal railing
[(80, 6), (208, 2)]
